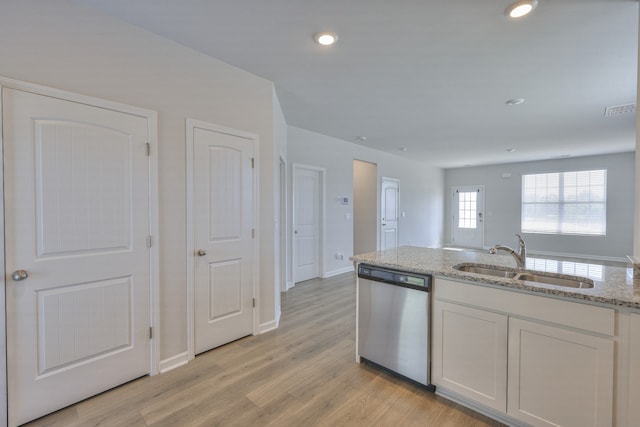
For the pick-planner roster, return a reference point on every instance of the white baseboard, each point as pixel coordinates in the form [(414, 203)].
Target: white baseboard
[(332, 273), (290, 285), (269, 326), (173, 362), (489, 412)]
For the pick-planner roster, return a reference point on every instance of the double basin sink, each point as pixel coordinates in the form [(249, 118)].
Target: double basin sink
[(528, 275)]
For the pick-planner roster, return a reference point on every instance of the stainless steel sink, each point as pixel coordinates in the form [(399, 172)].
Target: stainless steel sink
[(569, 281), (489, 271), (528, 275)]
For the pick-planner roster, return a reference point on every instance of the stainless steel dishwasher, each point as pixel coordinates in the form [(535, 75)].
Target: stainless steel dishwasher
[(393, 321)]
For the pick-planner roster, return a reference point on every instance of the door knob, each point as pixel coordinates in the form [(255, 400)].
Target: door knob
[(202, 252), (19, 275)]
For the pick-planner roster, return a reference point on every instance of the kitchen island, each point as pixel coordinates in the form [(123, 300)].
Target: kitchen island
[(528, 353)]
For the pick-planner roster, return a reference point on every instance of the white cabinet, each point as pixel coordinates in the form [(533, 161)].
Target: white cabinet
[(471, 353), (538, 360), (634, 370), (559, 377)]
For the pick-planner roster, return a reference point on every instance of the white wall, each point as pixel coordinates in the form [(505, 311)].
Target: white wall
[(421, 195), (63, 45), (503, 204)]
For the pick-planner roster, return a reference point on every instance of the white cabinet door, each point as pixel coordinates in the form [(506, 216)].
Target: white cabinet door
[(559, 377), (634, 370), (470, 353)]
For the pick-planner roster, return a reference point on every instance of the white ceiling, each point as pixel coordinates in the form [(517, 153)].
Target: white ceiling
[(429, 75)]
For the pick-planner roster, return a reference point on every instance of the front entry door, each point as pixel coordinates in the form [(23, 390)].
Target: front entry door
[(223, 236), (467, 218), (77, 220)]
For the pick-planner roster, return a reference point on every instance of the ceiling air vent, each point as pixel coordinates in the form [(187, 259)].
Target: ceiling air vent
[(619, 109)]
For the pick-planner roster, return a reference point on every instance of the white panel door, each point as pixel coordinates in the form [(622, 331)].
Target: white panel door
[(306, 223), (468, 217), (223, 227), (77, 221), (389, 202)]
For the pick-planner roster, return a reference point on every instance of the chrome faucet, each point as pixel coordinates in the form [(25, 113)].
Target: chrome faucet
[(520, 256)]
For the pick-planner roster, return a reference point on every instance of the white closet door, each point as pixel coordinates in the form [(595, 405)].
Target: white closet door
[(77, 221), (307, 214), (223, 224)]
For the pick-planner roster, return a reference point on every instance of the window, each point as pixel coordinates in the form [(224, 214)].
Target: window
[(565, 203), (467, 207)]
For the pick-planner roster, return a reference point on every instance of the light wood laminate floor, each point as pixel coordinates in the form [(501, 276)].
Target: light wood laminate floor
[(302, 374)]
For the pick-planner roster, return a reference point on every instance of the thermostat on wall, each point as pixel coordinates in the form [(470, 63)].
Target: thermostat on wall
[(344, 200)]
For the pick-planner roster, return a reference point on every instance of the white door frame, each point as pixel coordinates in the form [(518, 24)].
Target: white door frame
[(323, 215), (283, 221), (154, 227), (191, 125)]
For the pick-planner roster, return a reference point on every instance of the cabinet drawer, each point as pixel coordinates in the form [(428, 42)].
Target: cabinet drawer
[(599, 320)]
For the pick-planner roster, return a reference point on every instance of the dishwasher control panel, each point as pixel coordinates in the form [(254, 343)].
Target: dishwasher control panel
[(393, 277)]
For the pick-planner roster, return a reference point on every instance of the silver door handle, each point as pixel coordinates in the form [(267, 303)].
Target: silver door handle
[(201, 252), (19, 275), (295, 232)]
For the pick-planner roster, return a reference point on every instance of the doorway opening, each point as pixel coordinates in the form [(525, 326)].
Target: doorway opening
[(365, 207)]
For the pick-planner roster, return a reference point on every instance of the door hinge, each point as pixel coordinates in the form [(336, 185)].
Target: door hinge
[(253, 163), (150, 332), (253, 302), (253, 233), (148, 148), (149, 241)]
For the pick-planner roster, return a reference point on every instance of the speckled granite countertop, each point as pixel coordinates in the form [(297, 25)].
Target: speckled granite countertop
[(613, 285)]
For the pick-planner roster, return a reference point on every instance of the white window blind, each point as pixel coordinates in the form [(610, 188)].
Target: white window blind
[(565, 203)]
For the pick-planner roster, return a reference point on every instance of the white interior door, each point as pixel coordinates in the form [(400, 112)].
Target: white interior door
[(223, 236), (307, 187), (389, 202), (468, 216), (77, 221)]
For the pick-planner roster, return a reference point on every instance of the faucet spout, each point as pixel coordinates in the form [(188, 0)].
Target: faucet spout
[(520, 256)]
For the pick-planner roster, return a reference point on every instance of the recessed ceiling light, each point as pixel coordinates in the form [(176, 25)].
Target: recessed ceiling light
[(510, 150), (326, 38), (515, 101), (361, 138), (520, 8)]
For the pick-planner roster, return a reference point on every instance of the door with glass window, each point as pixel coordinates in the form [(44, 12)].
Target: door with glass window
[(468, 216)]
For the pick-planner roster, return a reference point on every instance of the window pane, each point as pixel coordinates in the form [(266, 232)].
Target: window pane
[(565, 203), (467, 209)]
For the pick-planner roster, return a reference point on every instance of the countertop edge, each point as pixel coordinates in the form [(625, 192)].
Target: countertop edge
[(447, 272)]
